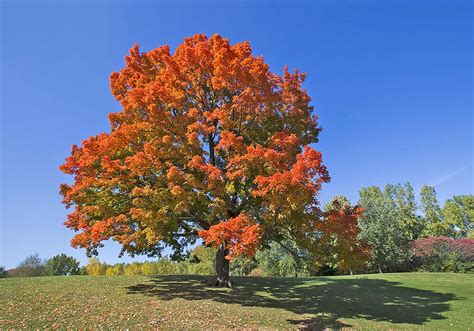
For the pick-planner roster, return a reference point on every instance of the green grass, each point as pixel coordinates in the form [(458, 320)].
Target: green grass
[(390, 301)]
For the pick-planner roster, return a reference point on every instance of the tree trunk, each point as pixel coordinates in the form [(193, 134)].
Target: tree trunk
[(380, 269), (222, 267), (350, 270)]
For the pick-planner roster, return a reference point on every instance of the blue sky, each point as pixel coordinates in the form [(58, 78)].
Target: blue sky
[(390, 80)]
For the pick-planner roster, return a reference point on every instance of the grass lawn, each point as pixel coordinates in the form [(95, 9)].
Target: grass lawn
[(389, 301)]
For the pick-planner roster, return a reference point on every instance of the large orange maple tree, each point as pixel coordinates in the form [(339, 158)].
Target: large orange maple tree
[(209, 144)]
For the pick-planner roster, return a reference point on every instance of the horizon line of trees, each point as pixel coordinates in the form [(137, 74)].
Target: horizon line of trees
[(33, 265), (394, 233), (393, 219)]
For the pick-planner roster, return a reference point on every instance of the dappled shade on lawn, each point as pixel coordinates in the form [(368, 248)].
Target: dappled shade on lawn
[(328, 299)]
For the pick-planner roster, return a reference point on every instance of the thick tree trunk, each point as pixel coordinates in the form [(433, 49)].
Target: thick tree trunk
[(380, 269), (222, 268)]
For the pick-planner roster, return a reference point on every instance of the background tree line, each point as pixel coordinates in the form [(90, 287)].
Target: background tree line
[(33, 265), (394, 233), (393, 222)]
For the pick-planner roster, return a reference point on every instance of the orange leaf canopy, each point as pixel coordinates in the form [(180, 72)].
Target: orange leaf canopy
[(337, 238), (209, 142)]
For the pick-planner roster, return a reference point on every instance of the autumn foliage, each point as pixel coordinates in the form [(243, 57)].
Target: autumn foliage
[(337, 242), (443, 254), (209, 143), (240, 234)]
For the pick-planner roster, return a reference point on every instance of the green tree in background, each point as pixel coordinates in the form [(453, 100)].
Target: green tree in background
[(116, 270), (243, 266), (338, 200), (382, 229), (470, 234), (62, 265), (284, 259), (458, 212), (402, 198), (201, 261), (435, 226)]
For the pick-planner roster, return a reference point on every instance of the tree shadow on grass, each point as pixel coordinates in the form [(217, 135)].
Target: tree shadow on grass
[(327, 299)]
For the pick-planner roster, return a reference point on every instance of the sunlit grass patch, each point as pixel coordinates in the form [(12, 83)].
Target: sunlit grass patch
[(389, 301)]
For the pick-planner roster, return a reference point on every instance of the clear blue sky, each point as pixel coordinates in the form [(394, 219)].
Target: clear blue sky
[(391, 81)]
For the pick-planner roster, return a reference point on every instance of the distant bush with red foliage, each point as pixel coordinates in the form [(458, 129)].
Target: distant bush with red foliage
[(443, 254), (466, 247)]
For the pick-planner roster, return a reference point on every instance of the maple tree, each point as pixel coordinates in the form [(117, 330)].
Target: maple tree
[(209, 144), (337, 234)]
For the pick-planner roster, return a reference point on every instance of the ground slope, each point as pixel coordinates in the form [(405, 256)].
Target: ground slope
[(400, 301)]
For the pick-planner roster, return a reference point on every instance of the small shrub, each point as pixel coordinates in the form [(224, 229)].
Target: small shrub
[(32, 266), (326, 270), (257, 272), (443, 254)]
